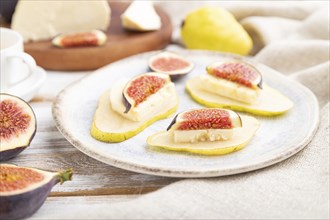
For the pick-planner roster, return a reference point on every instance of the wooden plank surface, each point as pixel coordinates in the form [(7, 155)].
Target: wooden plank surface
[(49, 150)]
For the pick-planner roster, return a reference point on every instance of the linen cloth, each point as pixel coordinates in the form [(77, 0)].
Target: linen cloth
[(293, 38)]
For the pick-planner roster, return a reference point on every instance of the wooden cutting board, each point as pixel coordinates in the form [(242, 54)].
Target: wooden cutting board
[(120, 43)]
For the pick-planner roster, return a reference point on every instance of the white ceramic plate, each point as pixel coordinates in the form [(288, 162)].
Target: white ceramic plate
[(277, 139)]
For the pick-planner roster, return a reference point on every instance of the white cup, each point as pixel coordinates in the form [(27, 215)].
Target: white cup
[(17, 67)]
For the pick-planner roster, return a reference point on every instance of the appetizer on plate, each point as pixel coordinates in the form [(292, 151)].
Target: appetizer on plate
[(208, 131), (132, 105), (237, 85)]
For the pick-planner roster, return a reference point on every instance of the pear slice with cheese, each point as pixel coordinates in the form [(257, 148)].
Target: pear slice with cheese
[(141, 16), (270, 102), (109, 124), (129, 107), (241, 137)]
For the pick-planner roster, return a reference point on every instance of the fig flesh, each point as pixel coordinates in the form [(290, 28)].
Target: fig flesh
[(17, 126), (236, 71), (80, 39), (23, 190), (204, 125), (142, 87), (110, 126), (206, 119), (269, 103), (240, 138), (170, 63)]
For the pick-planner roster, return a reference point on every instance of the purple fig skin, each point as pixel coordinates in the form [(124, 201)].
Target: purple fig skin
[(11, 153), (24, 205), (127, 104), (172, 123), (174, 77), (260, 83)]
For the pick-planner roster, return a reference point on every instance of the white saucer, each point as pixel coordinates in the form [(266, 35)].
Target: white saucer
[(28, 89)]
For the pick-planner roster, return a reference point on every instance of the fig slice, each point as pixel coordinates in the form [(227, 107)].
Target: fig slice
[(23, 190), (211, 118), (170, 63), (17, 126), (208, 124), (80, 39), (141, 87), (110, 126), (269, 103), (236, 71), (241, 137)]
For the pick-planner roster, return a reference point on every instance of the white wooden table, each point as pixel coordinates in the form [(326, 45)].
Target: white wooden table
[(93, 182)]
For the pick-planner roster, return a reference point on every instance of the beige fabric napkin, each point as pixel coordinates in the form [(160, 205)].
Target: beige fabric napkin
[(293, 38)]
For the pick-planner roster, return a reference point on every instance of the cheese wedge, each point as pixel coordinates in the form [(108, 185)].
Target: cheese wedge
[(141, 16), (40, 20)]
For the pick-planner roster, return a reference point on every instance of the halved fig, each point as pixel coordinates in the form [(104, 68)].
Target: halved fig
[(17, 126), (112, 124), (80, 39), (236, 71), (141, 87), (23, 190), (204, 125), (170, 63), (240, 137), (269, 103)]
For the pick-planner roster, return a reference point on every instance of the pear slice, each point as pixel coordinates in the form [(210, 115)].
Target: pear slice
[(269, 103), (110, 126), (240, 139), (141, 16)]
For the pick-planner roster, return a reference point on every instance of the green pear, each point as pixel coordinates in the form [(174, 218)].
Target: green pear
[(214, 28)]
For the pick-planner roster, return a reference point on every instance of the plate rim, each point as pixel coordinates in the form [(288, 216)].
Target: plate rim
[(184, 173)]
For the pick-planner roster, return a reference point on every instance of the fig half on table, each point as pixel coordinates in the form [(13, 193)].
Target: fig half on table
[(212, 131), (17, 126), (23, 190)]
